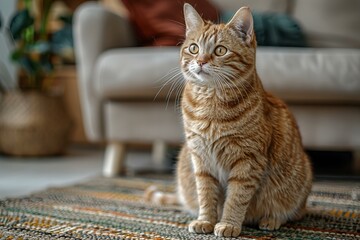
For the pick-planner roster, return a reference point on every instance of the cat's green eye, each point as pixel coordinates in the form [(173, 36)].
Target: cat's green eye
[(220, 50), (193, 48)]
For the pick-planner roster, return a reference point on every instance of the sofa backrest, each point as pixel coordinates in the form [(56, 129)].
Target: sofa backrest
[(257, 5), (326, 23), (329, 23)]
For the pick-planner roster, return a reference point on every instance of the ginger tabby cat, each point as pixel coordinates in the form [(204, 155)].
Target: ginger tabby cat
[(243, 161)]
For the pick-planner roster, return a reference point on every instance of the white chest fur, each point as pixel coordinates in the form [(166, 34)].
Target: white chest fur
[(208, 160)]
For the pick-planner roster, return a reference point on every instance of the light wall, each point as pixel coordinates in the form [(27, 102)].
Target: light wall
[(7, 9)]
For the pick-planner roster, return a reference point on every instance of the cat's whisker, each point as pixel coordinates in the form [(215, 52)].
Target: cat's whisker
[(178, 97), (175, 73), (219, 79), (179, 93), (218, 85), (231, 88), (173, 86), (238, 84), (178, 85), (226, 79), (228, 83), (169, 73), (241, 83)]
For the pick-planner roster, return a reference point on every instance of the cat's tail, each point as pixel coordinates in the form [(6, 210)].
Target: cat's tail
[(153, 195)]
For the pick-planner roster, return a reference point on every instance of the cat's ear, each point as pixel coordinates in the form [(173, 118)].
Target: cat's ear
[(193, 20), (243, 23)]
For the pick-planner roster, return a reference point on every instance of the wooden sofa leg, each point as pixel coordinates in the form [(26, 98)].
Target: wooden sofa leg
[(159, 150), (114, 163)]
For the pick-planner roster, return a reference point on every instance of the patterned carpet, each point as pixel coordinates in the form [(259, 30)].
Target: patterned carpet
[(113, 209)]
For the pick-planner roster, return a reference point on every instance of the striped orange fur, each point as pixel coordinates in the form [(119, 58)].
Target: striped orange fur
[(243, 160)]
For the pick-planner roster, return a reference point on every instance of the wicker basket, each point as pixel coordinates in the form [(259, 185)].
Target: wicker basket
[(33, 124)]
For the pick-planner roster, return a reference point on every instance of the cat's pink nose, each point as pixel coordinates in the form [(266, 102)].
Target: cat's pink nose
[(202, 59), (201, 62)]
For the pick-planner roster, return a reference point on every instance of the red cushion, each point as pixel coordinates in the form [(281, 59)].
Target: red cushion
[(161, 22)]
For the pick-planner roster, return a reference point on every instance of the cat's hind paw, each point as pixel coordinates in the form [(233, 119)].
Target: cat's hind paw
[(149, 193), (226, 230), (199, 226), (269, 223)]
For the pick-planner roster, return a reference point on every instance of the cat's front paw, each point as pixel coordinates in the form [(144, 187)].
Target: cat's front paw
[(226, 230), (270, 224), (199, 226)]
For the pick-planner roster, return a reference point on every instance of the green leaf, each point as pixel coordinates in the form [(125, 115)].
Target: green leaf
[(46, 4), (17, 54), (19, 22)]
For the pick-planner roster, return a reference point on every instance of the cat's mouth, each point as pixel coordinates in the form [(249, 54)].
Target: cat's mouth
[(201, 71)]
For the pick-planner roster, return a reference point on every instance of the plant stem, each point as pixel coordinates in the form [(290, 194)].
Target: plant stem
[(44, 18), (29, 33)]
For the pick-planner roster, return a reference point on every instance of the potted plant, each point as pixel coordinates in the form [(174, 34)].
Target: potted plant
[(33, 120)]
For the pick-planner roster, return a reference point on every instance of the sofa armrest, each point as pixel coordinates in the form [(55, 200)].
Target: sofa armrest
[(96, 30)]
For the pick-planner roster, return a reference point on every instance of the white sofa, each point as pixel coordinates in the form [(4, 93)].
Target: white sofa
[(118, 80)]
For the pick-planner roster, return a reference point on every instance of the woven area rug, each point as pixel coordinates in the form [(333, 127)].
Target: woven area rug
[(114, 209)]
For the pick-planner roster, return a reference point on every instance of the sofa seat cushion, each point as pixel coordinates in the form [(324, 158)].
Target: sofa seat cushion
[(323, 75), (136, 73), (294, 74)]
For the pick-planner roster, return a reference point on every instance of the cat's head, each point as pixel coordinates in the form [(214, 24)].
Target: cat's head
[(214, 54)]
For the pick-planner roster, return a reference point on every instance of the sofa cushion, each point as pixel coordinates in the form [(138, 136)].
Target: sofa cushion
[(274, 29), (161, 22), (142, 122), (311, 74), (328, 126), (294, 74), (136, 73), (330, 23)]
